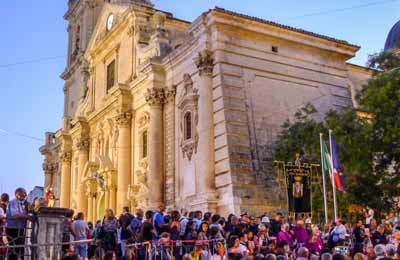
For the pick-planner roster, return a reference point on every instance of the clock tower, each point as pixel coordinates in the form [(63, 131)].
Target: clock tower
[(82, 17)]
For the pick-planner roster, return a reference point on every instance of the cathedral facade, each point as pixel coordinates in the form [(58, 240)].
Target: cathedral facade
[(161, 110)]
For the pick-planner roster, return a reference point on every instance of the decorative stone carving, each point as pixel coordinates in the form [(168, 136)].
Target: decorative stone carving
[(143, 163), (91, 187), (54, 166), (159, 19), (142, 31), (47, 168), (155, 96), (205, 62), (138, 193), (124, 119), (188, 103), (83, 145), (170, 94), (85, 82), (144, 120), (66, 156)]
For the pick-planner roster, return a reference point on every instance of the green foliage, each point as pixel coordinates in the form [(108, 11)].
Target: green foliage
[(369, 146)]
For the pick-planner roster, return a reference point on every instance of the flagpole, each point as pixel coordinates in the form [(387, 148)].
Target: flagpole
[(323, 179), (333, 178)]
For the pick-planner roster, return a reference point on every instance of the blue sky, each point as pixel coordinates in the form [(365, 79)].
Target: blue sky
[(31, 100)]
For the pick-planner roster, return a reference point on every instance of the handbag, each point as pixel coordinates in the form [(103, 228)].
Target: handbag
[(101, 234)]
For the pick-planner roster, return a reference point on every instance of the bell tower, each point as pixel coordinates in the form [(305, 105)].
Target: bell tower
[(82, 16)]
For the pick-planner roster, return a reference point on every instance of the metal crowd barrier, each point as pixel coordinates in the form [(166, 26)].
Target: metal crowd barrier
[(143, 251)]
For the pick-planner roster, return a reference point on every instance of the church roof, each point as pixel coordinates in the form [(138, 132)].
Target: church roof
[(219, 9), (393, 38)]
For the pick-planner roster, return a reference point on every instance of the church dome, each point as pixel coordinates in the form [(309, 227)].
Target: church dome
[(393, 38)]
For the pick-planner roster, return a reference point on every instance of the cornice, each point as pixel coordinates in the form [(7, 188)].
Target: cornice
[(360, 68), (259, 26), (316, 36)]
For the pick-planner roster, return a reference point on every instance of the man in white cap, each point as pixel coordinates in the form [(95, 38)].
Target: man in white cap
[(265, 220), (308, 226)]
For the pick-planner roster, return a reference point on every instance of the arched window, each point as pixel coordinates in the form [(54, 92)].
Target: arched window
[(188, 125), (144, 144)]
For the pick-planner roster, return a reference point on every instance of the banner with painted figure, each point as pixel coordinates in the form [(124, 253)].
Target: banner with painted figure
[(298, 183)]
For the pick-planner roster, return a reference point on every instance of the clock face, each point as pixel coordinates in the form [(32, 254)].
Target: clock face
[(110, 21)]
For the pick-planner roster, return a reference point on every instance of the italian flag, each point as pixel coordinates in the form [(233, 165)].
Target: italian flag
[(326, 160)]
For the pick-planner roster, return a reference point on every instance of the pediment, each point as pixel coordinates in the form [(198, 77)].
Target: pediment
[(100, 30)]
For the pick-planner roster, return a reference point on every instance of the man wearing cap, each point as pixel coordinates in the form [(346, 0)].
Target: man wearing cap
[(265, 220), (308, 226)]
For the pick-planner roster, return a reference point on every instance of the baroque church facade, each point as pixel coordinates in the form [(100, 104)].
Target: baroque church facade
[(161, 110)]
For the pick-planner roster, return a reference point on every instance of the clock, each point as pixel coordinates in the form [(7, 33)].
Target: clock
[(110, 22)]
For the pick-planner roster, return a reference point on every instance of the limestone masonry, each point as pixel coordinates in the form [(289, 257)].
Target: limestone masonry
[(160, 110)]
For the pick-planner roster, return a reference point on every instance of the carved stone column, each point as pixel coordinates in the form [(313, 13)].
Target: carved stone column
[(65, 187), (91, 197), (155, 98), (205, 156), (110, 189), (124, 159), (83, 157)]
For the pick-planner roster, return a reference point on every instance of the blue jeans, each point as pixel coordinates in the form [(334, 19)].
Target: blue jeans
[(123, 247), (81, 249)]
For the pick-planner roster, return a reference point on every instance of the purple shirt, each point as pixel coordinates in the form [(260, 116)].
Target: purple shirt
[(315, 246), (284, 236), (301, 235)]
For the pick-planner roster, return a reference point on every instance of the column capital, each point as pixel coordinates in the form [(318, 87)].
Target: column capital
[(66, 157), (83, 145), (170, 94), (205, 62), (124, 119), (155, 96), (48, 168)]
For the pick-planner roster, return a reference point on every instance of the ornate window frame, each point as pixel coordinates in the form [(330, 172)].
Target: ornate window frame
[(143, 128), (187, 126), (188, 103)]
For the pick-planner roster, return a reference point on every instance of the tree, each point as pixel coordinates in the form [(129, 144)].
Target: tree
[(369, 145)]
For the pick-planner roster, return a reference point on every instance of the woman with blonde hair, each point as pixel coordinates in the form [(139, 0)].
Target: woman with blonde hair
[(359, 256), (108, 231)]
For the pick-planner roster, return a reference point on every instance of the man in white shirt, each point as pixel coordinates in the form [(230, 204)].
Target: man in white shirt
[(338, 234), (369, 215)]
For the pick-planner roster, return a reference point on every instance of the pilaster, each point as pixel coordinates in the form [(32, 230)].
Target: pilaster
[(155, 98), (82, 146), (124, 121), (205, 175), (65, 186)]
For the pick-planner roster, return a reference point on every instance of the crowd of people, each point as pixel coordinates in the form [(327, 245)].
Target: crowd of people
[(171, 234)]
